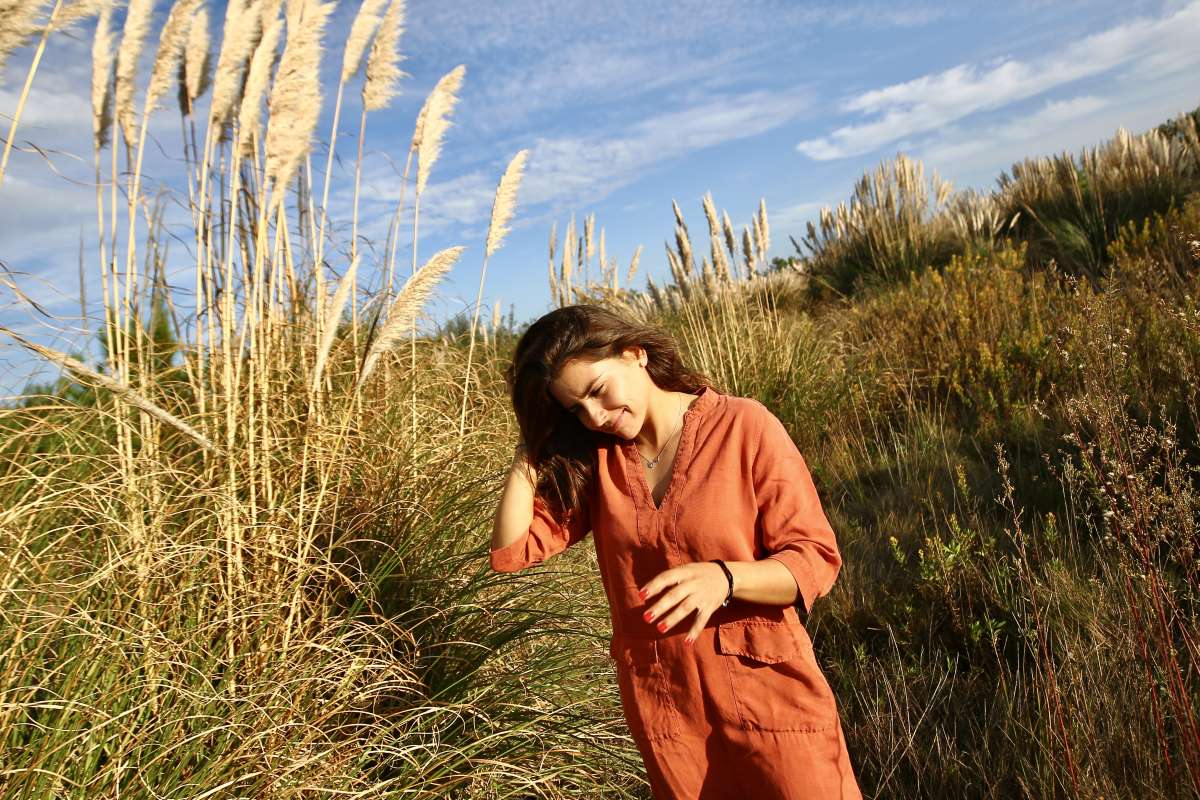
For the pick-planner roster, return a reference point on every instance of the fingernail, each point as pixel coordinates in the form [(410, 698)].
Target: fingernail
[(662, 627), (647, 616), (642, 593), (688, 639)]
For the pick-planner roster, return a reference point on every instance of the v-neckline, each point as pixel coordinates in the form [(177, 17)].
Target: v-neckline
[(682, 450)]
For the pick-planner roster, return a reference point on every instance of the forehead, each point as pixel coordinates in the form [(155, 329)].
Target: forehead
[(575, 377)]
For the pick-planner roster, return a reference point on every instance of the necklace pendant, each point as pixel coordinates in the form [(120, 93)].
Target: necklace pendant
[(652, 464)]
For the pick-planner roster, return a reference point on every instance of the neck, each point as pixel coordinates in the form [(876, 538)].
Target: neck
[(663, 420)]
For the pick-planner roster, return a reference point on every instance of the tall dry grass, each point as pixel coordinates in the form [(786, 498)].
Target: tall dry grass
[(193, 566)]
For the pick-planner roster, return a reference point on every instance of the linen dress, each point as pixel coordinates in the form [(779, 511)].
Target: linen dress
[(744, 712)]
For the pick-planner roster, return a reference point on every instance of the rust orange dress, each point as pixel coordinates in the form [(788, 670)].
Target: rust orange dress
[(745, 712)]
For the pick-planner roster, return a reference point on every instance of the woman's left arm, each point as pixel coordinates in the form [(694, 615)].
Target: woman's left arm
[(795, 532)]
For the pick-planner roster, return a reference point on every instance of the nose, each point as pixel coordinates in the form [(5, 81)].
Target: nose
[(595, 417)]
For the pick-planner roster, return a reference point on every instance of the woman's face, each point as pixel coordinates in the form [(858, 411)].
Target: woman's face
[(607, 396)]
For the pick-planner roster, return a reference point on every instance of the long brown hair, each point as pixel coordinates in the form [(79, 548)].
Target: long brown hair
[(560, 448)]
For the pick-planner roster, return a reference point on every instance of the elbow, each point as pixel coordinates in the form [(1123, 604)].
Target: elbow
[(512, 557)]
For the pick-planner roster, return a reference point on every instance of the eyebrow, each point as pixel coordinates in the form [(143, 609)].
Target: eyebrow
[(586, 392)]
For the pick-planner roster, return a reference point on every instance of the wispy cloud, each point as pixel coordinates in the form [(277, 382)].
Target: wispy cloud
[(928, 103)]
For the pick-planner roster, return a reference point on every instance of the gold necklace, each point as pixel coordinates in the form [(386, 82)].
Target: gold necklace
[(652, 463)]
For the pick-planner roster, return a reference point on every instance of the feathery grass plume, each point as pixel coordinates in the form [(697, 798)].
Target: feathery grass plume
[(333, 313), (295, 100), (19, 23), (170, 52), (730, 236), (553, 271), (116, 387), (383, 72), (433, 122), (757, 236), (243, 26), (257, 78), (684, 243), (748, 251), (495, 317), (197, 61), (363, 27), (589, 244), (133, 38), (102, 79), (505, 203), (633, 266), (404, 310), (70, 13), (567, 266), (765, 234)]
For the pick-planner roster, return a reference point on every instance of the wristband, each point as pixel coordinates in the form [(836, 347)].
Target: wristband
[(729, 576)]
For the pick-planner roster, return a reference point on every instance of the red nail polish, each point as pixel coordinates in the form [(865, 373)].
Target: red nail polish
[(647, 616), (662, 627), (642, 593), (689, 639)]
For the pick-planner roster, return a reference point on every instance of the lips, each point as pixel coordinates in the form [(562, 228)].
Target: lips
[(617, 421)]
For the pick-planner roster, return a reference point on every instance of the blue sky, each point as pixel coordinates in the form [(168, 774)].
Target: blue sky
[(625, 106)]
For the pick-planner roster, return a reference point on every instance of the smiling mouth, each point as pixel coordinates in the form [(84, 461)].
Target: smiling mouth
[(616, 422)]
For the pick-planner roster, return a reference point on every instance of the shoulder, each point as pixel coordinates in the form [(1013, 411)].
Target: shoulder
[(749, 411)]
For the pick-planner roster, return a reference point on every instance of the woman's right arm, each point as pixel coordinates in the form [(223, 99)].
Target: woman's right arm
[(524, 532), (515, 512)]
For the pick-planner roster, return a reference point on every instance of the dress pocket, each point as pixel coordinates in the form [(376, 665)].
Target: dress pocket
[(649, 710), (774, 677)]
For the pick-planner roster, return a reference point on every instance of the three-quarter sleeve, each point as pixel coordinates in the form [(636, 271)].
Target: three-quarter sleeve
[(546, 537), (791, 522)]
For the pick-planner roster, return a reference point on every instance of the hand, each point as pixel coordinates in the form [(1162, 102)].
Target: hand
[(700, 586)]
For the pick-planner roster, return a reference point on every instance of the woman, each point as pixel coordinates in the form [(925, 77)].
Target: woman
[(710, 537)]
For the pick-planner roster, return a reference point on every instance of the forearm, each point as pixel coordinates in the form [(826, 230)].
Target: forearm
[(767, 581)]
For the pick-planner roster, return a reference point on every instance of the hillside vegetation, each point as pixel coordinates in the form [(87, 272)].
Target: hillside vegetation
[(246, 554)]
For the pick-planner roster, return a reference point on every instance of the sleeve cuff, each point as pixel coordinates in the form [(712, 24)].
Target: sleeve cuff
[(805, 583), (512, 557)]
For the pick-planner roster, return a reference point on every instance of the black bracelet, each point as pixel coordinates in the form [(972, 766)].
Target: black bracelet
[(728, 575)]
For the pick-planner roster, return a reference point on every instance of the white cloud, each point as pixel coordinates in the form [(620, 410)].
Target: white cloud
[(933, 101)]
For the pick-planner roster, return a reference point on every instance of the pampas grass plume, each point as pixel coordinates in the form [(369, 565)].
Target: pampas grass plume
[(257, 78), (241, 31), (633, 266), (102, 79), (404, 310), (116, 387), (333, 313), (170, 51), (383, 72), (197, 60), (295, 100), (505, 202), (433, 121), (18, 24), (365, 22), (133, 38)]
